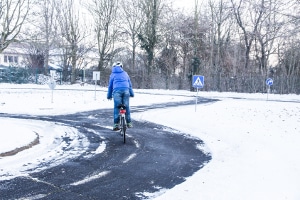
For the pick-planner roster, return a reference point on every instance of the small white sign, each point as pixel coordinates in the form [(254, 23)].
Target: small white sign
[(96, 75), (52, 85)]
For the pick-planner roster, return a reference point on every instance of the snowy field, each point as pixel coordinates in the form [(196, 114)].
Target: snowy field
[(253, 138)]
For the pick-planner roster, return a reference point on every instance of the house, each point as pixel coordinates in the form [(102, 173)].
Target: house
[(13, 55)]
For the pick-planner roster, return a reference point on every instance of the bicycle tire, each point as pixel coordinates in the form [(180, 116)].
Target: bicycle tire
[(123, 126)]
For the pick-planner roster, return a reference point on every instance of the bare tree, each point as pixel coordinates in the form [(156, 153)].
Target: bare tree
[(185, 45), (248, 16), (267, 33), (149, 37), (72, 33), (287, 71), (12, 17), (43, 33), (168, 58), (48, 9), (104, 14), (132, 17), (220, 32)]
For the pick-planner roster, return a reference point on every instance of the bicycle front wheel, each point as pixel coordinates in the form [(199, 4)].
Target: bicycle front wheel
[(123, 125)]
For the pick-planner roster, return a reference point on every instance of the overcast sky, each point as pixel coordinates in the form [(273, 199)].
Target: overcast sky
[(186, 4)]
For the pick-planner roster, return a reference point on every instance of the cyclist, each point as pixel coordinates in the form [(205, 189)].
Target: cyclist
[(120, 89)]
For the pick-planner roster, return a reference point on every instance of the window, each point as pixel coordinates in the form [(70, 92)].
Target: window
[(16, 59), (11, 59)]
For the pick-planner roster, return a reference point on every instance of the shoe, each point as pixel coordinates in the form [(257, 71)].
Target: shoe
[(116, 127), (129, 125)]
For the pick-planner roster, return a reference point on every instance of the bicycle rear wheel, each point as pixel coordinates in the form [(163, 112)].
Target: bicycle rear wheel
[(123, 128)]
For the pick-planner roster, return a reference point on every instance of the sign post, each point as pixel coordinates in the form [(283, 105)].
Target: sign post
[(52, 83), (96, 77), (269, 82), (197, 82)]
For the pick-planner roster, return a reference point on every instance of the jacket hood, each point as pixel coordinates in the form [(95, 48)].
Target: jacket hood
[(117, 69)]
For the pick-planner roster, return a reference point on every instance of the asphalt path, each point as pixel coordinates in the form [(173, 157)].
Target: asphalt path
[(154, 157)]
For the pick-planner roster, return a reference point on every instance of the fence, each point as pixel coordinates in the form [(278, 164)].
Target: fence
[(247, 84)]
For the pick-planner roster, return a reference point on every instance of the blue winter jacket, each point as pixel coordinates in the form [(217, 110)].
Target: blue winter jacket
[(119, 80)]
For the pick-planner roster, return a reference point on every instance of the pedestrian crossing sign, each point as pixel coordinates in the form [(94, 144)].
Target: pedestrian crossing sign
[(198, 81)]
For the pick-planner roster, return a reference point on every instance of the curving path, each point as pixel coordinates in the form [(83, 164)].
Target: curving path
[(154, 158)]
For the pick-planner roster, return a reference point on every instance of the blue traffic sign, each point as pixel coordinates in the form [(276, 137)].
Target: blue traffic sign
[(269, 81), (198, 81)]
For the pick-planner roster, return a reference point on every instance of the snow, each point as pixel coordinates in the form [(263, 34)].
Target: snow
[(11, 142), (253, 138)]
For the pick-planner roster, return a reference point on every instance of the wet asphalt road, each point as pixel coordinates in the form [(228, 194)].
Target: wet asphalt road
[(154, 157)]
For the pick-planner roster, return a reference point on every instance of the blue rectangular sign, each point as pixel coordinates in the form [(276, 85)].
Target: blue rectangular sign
[(198, 81)]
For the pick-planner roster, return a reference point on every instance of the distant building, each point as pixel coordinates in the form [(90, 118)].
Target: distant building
[(13, 55), (17, 55)]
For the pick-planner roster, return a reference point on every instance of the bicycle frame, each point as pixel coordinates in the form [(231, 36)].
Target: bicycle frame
[(122, 121)]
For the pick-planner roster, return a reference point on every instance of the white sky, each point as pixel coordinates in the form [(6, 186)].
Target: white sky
[(184, 4), (254, 143)]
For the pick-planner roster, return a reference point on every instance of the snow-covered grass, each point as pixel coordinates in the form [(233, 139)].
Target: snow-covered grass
[(253, 138)]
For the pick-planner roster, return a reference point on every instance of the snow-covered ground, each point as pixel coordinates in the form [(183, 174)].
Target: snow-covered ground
[(253, 138)]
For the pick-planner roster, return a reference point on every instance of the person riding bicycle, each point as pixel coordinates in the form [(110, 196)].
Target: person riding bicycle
[(120, 89)]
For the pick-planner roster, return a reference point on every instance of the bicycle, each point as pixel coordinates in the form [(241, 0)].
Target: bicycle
[(122, 121)]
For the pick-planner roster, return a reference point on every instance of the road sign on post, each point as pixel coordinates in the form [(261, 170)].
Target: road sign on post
[(269, 82), (197, 82), (52, 83), (96, 77)]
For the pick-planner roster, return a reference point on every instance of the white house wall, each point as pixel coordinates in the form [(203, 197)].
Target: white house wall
[(19, 51)]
